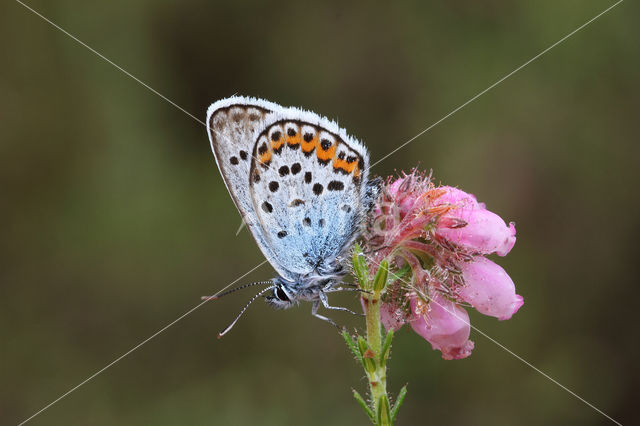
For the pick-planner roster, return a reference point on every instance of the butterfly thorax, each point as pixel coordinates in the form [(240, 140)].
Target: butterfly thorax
[(308, 288)]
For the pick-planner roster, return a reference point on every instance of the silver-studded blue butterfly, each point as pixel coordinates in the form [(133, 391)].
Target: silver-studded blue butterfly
[(301, 184)]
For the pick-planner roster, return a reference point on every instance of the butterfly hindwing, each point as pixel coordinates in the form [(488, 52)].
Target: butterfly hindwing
[(301, 188), (306, 183)]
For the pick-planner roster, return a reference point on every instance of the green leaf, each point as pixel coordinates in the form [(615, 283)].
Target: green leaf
[(399, 275), (386, 347), (362, 345), (351, 343), (399, 401), (384, 413), (380, 281), (364, 405), (359, 264)]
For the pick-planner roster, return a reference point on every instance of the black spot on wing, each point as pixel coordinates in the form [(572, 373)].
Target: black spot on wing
[(295, 168), (325, 144), (335, 185), (283, 171), (317, 188), (267, 207), (273, 186)]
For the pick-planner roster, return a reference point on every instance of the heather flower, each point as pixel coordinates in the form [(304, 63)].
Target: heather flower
[(436, 237), (484, 232), (444, 324), (489, 289)]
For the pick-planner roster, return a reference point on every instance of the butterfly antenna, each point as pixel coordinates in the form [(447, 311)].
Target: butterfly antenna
[(230, 326), (218, 296)]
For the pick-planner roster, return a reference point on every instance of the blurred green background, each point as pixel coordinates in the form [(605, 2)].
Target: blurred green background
[(115, 219)]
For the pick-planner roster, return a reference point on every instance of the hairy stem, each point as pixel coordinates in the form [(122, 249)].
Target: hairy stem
[(377, 377)]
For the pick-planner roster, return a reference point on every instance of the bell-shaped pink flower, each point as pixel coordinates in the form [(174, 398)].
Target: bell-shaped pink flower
[(485, 232), (489, 289), (458, 197), (444, 324)]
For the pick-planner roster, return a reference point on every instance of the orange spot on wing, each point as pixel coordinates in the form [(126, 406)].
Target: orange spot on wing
[(326, 155), (265, 158), (276, 145), (311, 145), (294, 140), (343, 165)]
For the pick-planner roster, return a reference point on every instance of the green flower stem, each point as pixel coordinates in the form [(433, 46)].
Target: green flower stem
[(372, 352), (377, 377)]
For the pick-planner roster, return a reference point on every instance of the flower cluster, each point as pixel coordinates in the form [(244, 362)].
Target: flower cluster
[(437, 238)]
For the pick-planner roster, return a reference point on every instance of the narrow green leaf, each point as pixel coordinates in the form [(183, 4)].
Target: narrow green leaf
[(364, 405), (380, 281), (351, 343), (399, 401), (399, 275), (386, 347), (362, 345), (384, 413), (359, 264)]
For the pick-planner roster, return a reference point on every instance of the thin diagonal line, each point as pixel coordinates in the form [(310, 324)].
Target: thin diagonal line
[(100, 55), (114, 64), (498, 82), (518, 357), (391, 153), (137, 346)]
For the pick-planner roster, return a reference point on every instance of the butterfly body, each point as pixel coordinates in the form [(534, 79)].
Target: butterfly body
[(301, 185)]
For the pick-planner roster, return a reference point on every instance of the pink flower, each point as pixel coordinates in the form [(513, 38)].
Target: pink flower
[(489, 289), (484, 232), (443, 324), (440, 234), (458, 197)]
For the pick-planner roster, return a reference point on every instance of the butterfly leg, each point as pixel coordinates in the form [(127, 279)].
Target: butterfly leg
[(325, 303), (314, 312), (349, 288)]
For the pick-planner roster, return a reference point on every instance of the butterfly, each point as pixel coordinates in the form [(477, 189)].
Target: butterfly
[(302, 187)]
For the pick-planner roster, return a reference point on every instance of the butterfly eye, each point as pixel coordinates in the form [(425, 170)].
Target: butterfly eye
[(280, 294)]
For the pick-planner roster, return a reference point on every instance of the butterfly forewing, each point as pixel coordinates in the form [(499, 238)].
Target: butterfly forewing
[(232, 125)]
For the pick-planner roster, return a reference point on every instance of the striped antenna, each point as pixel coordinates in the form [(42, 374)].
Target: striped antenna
[(230, 326), (218, 296)]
